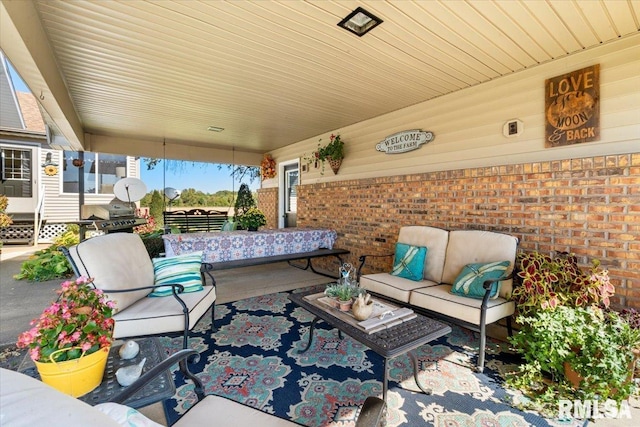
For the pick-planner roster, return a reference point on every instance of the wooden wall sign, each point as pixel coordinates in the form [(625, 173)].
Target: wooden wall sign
[(406, 140), (572, 105)]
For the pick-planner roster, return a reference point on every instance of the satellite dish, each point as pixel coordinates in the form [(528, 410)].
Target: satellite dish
[(129, 189), (171, 193)]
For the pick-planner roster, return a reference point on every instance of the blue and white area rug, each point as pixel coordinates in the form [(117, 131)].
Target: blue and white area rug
[(252, 358)]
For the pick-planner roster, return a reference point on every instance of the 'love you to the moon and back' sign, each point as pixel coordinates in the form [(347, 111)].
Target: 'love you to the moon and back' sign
[(572, 106)]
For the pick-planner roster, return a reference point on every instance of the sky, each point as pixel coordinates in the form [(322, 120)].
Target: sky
[(205, 177)]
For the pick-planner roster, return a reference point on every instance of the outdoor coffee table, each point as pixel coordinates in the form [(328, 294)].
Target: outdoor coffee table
[(388, 343)]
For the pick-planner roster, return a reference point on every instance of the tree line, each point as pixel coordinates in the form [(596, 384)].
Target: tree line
[(192, 198)]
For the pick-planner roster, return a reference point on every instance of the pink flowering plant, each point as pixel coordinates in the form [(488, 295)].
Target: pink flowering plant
[(79, 322)]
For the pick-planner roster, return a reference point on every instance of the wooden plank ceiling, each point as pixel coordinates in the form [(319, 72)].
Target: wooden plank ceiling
[(275, 72)]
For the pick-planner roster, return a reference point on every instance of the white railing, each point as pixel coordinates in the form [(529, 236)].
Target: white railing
[(37, 217)]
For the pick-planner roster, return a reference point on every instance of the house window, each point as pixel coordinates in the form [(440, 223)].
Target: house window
[(99, 172), (15, 173)]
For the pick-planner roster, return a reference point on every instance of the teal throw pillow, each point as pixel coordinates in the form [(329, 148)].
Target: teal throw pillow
[(470, 280), (182, 269), (409, 261)]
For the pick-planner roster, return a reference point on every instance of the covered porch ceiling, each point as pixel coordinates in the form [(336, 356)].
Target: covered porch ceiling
[(128, 76)]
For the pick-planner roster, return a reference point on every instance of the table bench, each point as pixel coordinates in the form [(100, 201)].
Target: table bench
[(308, 256), (194, 220)]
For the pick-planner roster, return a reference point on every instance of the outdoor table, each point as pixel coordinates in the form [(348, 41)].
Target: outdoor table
[(388, 343), (160, 388), (238, 245)]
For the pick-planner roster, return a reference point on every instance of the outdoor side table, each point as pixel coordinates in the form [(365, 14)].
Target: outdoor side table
[(162, 387)]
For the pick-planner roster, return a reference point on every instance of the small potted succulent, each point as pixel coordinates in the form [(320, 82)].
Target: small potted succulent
[(343, 294)]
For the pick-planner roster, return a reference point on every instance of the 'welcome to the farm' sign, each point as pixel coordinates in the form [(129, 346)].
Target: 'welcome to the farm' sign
[(572, 105), (404, 141)]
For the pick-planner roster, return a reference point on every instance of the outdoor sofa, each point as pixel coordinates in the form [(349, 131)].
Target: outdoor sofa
[(452, 259)]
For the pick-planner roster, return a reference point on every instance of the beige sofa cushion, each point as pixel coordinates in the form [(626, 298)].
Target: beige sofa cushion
[(221, 412), (440, 299), (27, 402), (435, 240), (128, 266), (473, 246), (391, 286)]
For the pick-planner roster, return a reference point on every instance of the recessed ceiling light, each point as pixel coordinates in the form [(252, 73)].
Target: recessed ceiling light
[(215, 129), (359, 22)]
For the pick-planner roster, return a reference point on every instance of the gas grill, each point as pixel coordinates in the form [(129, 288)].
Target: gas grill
[(117, 216)]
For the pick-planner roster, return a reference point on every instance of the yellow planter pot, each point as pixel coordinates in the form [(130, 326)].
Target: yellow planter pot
[(75, 377)]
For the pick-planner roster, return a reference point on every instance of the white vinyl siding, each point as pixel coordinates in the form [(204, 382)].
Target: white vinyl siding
[(62, 207), (468, 124)]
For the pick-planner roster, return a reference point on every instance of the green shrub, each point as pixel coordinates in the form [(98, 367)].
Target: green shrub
[(154, 244), (49, 263)]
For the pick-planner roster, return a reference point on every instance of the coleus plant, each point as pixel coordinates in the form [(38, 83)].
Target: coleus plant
[(546, 282)]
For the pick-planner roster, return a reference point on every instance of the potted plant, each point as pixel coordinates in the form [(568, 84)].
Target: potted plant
[(544, 282), (70, 341), (252, 219), (589, 342), (632, 317), (343, 294), (243, 202), (333, 153)]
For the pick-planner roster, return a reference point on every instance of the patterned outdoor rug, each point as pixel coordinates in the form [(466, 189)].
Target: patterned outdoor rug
[(252, 358)]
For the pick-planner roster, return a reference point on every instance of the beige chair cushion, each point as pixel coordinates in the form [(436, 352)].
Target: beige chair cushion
[(27, 402), (123, 258), (221, 412), (391, 286), (473, 246), (440, 299), (435, 240), (160, 315)]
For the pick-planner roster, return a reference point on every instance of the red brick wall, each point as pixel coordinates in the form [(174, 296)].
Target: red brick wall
[(589, 206), (268, 203)]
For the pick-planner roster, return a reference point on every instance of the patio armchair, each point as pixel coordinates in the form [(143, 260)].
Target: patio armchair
[(29, 402), (151, 296)]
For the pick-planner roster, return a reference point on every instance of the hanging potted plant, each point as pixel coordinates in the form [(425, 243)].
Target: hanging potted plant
[(70, 341), (333, 153)]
